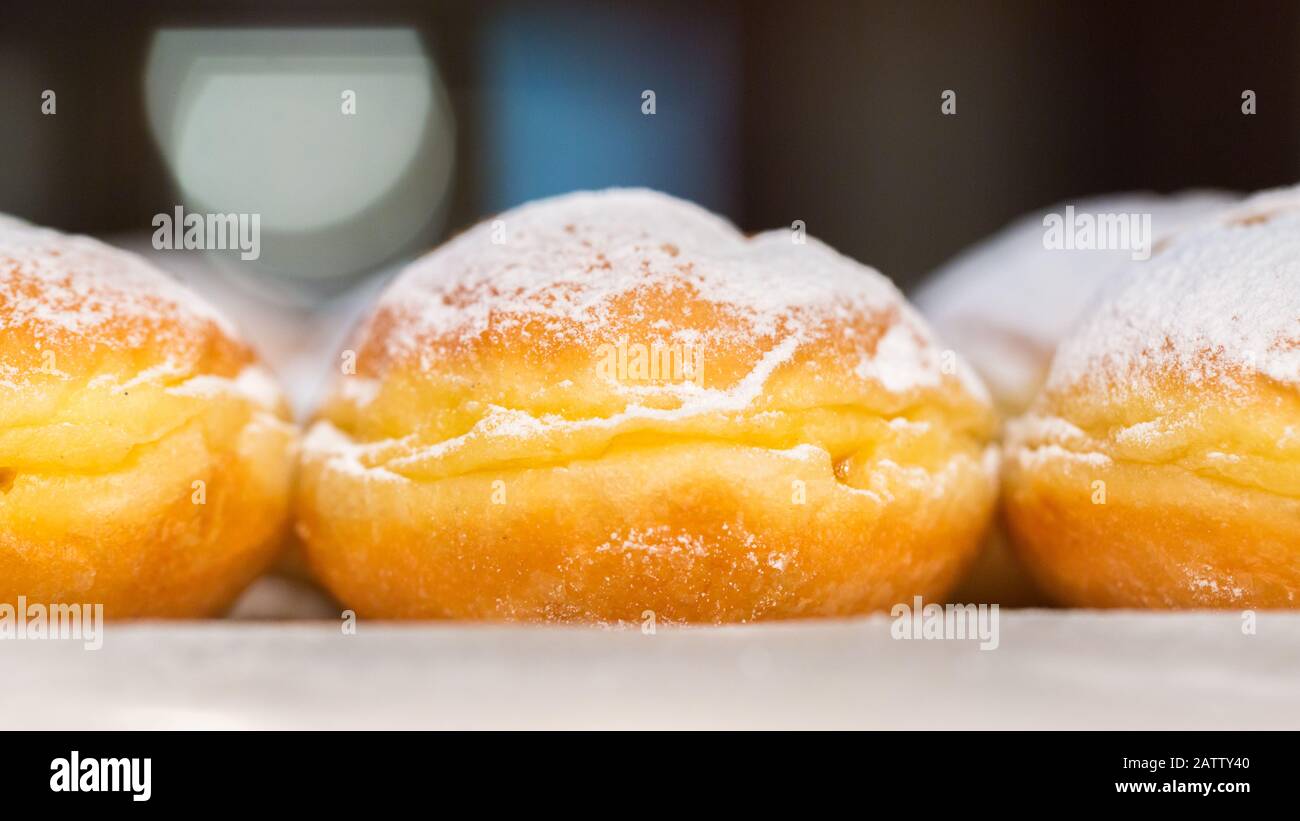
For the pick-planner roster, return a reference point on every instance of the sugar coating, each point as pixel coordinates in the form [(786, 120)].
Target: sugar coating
[(562, 264), (60, 285), (1007, 302), (254, 383), (1220, 303)]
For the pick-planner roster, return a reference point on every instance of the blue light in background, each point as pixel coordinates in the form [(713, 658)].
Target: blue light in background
[(561, 105)]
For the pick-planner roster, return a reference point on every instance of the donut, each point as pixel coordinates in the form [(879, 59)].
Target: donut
[(1160, 467), (146, 458), (1007, 302), (614, 407)]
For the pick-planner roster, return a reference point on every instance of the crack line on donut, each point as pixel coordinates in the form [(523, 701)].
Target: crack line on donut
[(132, 455), (926, 443), (1046, 451), (103, 437)]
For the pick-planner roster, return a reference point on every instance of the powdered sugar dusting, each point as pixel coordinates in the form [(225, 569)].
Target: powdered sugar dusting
[(1221, 303), (1053, 453), (899, 361), (1007, 302), (344, 455), (564, 268), (254, 383), (54, 284)]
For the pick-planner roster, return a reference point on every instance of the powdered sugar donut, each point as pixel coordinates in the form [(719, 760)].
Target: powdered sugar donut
[(145, 456), (1161, 465), (1007, 302), (605, 405)]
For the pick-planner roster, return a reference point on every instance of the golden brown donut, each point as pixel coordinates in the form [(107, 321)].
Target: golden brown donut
[(1161, 465), (1008, 301), (611, 404), (145, 457)]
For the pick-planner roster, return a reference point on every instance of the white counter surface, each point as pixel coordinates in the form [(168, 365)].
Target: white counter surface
[(1053, 669)]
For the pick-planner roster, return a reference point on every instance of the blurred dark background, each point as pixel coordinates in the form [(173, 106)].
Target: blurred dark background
[(828, 112)]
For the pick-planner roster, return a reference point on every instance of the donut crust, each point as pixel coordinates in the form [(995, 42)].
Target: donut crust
[(1175, 539), (1200, 508), (663, 528)]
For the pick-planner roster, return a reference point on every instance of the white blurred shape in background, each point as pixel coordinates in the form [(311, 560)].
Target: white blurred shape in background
[(253, 121)]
